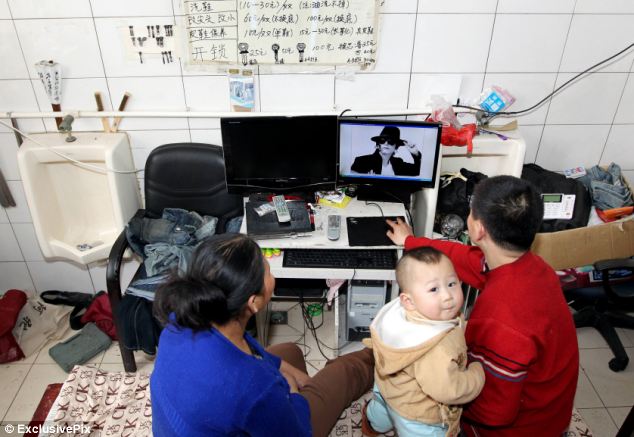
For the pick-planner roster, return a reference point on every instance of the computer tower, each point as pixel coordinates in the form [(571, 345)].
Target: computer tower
[(365, 299)]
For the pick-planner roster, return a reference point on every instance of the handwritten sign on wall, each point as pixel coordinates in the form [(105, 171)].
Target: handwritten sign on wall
[(248, 32)]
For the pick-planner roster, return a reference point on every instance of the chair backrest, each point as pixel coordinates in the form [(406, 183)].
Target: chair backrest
[(190, 176)]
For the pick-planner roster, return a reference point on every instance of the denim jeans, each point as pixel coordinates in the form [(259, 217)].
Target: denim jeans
[(163, 257), (607, 187), (176, 226), (146, 287)]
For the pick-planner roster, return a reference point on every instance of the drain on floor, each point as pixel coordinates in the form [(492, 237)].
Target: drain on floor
[(279, 317)]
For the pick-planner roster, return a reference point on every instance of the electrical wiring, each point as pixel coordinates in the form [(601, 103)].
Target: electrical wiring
[(68, 158), (542, 101), (308, 321)]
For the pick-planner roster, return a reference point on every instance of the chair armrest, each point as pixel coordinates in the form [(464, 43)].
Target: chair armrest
[(113, 270), (609, 264), (615, 292)]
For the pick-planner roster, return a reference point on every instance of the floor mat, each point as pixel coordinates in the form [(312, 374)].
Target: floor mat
[(118, 404), (349, 423)]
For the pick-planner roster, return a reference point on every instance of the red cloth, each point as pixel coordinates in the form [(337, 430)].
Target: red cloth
[(522, 332), (43, 408), (100, 313), (10, 305)]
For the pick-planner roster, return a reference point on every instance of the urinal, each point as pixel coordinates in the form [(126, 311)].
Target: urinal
[(79, 210)]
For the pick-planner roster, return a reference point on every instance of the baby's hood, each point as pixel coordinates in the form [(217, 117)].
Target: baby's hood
[(401, 337)]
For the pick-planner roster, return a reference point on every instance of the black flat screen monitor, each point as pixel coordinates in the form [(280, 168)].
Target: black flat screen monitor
[(385, 155), (279, 154)]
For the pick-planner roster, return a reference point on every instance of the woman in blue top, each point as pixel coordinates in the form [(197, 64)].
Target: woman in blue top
[(211, 378)]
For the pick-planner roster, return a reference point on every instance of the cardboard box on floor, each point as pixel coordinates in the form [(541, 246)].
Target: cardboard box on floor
[(583, 246)]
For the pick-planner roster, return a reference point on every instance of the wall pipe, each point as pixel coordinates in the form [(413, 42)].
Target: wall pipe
[(205, 114)]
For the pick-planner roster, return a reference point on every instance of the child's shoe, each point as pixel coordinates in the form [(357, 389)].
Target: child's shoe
[(366, 428)]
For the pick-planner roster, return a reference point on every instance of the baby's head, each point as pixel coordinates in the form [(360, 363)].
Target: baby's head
[(429, 284)]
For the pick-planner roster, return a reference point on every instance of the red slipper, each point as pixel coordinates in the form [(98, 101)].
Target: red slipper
[(366, 428)]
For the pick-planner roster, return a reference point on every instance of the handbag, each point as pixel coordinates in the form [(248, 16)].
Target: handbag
[(86, 308), (98, 311)]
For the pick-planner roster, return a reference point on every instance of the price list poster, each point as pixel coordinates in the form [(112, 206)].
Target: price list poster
[(291, 32)]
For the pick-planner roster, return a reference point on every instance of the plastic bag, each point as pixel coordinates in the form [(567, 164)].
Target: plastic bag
[(495, 99), (443, 112)]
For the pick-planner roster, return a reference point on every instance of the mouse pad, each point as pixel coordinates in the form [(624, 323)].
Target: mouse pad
[(369, 231)]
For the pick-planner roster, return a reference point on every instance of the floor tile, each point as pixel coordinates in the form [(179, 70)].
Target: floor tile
[(327, 345), (619, 414), (314, 366), (616, 389), (599, 421), (113, 355), (629, 333), (28, 360), (11, 379), (5, 433), (590, 338), (586, 396), (295, 323), (351, 346), (39, 376)]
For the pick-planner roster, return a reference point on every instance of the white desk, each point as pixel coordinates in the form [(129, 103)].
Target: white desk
[(318, 240)]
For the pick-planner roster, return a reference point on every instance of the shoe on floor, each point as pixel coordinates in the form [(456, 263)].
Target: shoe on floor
[(366, 428)]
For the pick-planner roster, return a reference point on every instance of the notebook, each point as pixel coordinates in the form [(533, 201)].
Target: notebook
[(368, 231), (267, 225)]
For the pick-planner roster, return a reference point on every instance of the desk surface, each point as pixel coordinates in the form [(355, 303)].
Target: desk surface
[(318, 240)]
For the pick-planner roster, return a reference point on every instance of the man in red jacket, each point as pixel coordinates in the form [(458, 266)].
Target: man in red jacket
[(520, 329)]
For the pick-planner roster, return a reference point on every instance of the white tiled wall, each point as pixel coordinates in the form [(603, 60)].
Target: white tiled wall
[(450, 47)]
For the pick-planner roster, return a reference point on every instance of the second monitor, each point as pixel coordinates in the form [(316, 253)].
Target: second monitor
[(388, 156)]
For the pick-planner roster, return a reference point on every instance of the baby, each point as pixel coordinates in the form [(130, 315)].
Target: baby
[(421, 372)]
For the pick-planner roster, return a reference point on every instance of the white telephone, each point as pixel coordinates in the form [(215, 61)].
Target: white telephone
[(558, 206)]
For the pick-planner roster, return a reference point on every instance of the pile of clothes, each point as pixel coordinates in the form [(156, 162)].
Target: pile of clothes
[(607, 187), (166, 245)]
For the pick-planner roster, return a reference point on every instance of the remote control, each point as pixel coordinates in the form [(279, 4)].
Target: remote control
[(283, 215), (334, 227)]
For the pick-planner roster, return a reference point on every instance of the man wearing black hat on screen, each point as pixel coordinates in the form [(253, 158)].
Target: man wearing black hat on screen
[(383, 162)]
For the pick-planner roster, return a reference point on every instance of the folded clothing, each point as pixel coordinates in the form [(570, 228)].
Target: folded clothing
[(607, 187), (80, 348)]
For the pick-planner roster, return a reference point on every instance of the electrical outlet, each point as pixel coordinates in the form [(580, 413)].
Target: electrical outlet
[(279, 317)]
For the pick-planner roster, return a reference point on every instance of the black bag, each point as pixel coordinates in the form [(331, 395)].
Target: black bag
[(550, 182), (455, 194)]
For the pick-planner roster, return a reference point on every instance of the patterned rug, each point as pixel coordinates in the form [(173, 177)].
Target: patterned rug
[(349, 424), (117, 404)]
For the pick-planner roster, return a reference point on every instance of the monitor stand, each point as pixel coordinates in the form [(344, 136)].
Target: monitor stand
[(369, 193)]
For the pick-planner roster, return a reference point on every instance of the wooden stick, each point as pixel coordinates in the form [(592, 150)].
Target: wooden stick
[(57, 108), (104, 120), (117, 120), (6, 199)]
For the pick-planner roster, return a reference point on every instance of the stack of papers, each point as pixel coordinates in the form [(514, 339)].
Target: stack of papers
[(336, 199)]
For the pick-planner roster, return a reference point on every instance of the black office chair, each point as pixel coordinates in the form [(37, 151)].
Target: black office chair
[(189, 176), (605, 307)]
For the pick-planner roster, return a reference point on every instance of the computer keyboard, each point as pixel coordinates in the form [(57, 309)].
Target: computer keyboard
[(382, 259)]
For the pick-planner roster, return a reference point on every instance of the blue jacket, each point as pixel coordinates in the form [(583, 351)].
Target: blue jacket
[(203, 385)]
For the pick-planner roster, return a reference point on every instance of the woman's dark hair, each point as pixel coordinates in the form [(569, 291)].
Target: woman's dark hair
[(225, 270), (511, 210)]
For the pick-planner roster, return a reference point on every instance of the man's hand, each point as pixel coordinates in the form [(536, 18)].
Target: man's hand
[(399, 232), (413, 148)]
